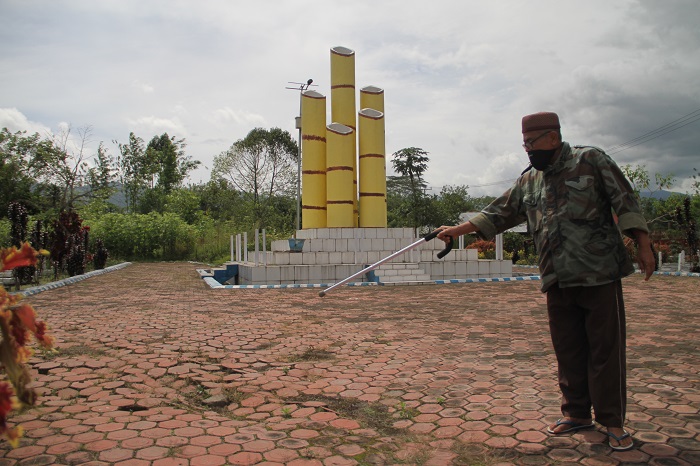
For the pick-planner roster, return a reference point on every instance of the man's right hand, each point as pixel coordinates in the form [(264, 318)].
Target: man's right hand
[(447, 232), (456, 231)]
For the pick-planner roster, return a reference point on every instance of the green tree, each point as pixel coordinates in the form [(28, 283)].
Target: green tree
[(53, 173), (654, 210), (134, 170), (452, 202), (409, 188), (185, 203), (218, 199), (260, 167), (150, 172), (62, 167), (101, 176), (169, 166), (15, 181), (695, 186)]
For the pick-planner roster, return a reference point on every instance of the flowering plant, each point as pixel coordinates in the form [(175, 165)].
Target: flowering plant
[(482, 245), (18, 323)]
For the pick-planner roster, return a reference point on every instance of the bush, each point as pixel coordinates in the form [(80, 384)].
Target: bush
[(5, 227), (482, 246), (99, 259), (145, 236)]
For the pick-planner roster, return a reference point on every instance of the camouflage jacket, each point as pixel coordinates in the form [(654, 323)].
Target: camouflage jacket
[(569, 210)]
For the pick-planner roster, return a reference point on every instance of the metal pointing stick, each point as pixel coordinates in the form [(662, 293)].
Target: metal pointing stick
[(415, 244)]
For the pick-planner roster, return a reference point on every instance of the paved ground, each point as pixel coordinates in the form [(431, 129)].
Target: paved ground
[(156, 368)]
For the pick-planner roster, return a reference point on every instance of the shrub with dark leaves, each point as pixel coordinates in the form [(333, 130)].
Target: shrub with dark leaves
[(99, 259)]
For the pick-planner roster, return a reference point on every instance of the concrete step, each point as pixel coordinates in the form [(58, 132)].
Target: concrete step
[(399, 266), (393, 272), (408, 283), (404, 278)]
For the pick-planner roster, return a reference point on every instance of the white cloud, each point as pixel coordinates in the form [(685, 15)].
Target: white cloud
[(227, 115), (143, 87), (14, 120), (151, 125), (458, 74)]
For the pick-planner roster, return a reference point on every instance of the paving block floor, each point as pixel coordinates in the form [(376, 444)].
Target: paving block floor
[(156, 368)]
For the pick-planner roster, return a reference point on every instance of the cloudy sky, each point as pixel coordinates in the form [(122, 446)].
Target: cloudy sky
[(458, 75)]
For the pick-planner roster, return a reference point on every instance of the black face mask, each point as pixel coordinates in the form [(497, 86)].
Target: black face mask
[(540, 159)]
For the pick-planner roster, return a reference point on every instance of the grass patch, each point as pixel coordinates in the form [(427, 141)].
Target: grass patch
[(371, 415), (73, 351), (312, 354), (232, 395), (264, 346)]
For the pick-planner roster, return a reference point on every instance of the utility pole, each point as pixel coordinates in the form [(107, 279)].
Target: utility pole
[(301, 87)]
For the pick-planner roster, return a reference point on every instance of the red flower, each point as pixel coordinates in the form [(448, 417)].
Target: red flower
[(6, 395), (17, 323), (11, 258), (6, 405)]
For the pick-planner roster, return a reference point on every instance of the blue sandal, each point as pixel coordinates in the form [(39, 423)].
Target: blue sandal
[(619, 440), (575, 426)]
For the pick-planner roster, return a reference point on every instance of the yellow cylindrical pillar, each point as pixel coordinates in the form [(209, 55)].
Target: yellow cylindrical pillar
[(372, 97), (313, 161), (343, 108), (372, 169), (339, 186)]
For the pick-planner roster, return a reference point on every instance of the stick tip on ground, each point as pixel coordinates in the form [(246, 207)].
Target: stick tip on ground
[(322, 293)]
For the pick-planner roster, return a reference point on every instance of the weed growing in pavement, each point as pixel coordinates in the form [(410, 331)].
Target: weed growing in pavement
[(264, 346), (232, 395), (286, 412), (311, 354), (406, 412), (440, 400), (75, 350), (370, 415)]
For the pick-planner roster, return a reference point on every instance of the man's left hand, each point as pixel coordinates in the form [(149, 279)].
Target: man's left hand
[(645, 256)]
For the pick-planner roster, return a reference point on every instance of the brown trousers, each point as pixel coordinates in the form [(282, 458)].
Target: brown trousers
[(587, 325)]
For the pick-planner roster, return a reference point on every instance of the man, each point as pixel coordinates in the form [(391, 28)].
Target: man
[(571, 198)]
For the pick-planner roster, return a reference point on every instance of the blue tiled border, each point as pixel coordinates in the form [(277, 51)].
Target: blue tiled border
[(209, 280), (668, 274), (216, 285), (677, 274), (69, 281), (486, 280)]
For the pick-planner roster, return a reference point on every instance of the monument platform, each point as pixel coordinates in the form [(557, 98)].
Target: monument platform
[(330, 255)]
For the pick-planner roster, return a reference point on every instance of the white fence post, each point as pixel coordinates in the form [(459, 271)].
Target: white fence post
[(232, 250), (499, 247), (245, 246), (264, 247), (413, 251), (681, 260), (257, 245)]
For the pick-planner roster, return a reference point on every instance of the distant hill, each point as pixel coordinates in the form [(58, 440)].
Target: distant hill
[(661, 194), (118, 198)]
